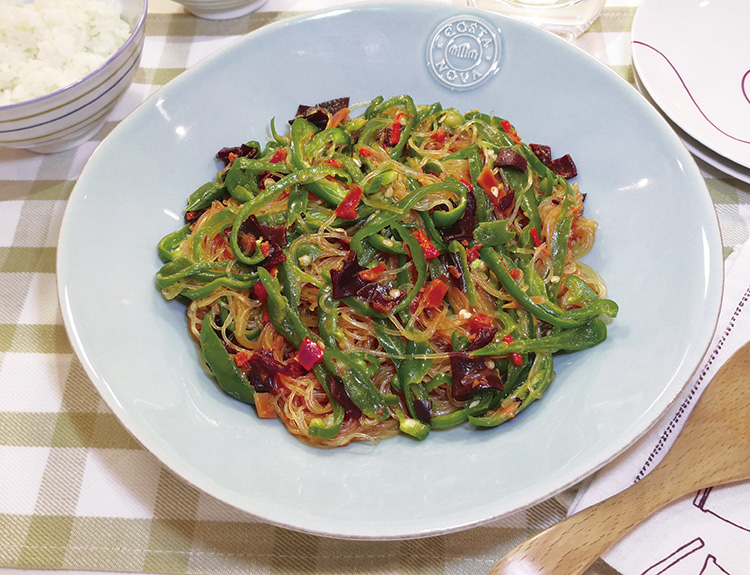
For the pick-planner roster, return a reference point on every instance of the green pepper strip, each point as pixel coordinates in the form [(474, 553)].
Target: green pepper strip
[(301, 177), (547, 311), (243, 174), (285, 320), (326, 428), (358, 385), (412, 426), (211, 287), (230, 379), (289, 275), (494, 233), (410, 370), (476, 164), (479, 404), (370, 111), (297, 204), (351, 167), (537, 382), (471, 291), (181, 268), (328, 191), (319, 141), (576, 339), (432, 233), (488, 131), (420, 264), (386, 245), (448, 218), (169, 244), (402, 207), (330, 332), (204, 195), (407, 103), (559, 242), (427, 111)]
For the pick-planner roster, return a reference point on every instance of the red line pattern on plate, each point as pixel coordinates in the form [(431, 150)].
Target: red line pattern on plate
[(692, 99)]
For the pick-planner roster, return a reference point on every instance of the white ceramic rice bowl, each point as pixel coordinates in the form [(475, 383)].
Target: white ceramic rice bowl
[(72, 115), (221, 9)]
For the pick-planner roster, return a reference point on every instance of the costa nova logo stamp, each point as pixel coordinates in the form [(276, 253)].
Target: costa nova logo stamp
[(463, 52)]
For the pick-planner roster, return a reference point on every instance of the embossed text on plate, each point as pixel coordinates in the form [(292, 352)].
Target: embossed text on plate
[(463, 52)]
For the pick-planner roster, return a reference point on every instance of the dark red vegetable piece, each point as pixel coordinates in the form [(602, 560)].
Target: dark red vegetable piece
[(346, 282), (470, 375), (243, 151), (564, 166), (463, 229), (319, 113), (262, 369), (338, 392), (484, 335), (275, 257), (276, 238), (380, 298), (423, 410), (273, 234), (507, 158), (507, 200), (451, 260), (544, 153)]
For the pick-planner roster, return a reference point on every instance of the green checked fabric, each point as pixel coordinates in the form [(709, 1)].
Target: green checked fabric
[(78, 493)]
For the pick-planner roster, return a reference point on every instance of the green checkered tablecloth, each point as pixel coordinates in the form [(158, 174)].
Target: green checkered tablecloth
[(77, 492)]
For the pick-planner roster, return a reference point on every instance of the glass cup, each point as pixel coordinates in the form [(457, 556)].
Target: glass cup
[(566, 18)]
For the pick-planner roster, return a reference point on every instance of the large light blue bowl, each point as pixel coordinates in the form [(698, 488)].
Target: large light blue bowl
[(658, 248)]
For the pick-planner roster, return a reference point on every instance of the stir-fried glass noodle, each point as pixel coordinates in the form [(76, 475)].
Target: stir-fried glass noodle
[(406, 269)]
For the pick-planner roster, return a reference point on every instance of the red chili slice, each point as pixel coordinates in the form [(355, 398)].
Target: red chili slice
[(429, 250), (347, 209)]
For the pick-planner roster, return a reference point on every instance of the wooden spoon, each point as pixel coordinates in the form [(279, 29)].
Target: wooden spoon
[(713, 448)]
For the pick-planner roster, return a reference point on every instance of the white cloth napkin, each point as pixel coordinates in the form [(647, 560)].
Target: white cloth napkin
[(708, 532)]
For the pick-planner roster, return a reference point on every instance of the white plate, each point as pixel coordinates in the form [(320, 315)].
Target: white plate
[(658, 249), (693, 57), (699, 150)]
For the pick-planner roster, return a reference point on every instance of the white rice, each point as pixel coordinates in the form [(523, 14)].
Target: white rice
[(49, 44)]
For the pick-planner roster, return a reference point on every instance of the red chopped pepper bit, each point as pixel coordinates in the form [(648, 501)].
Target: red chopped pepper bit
[(429, 250), (365, 152), (535, 237), (242, 358), (260, 291), (434, 293), (372, 274), (473, 253), (515, 273), (439, 136), (511, 131), (310, 354), (265, 249), (467, 183), (396, 129), (279, 156), (516, 357), (333, 162), (347, 209)]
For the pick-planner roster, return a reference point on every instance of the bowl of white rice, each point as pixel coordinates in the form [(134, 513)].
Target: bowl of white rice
[(63, 65)]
